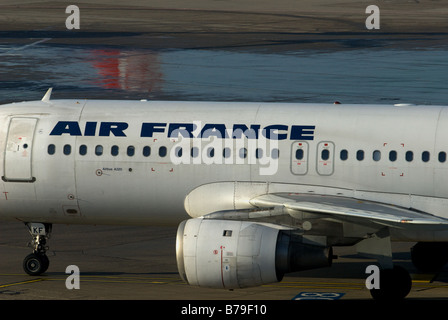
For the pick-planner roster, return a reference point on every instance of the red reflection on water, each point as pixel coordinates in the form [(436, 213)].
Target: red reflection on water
[(127, 70)]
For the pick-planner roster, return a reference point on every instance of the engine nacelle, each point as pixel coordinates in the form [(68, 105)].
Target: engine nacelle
[(237, 254)]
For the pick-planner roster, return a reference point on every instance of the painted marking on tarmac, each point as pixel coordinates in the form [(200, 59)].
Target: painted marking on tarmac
[(319, 296), (99, 278), (20, 283), (320, 285)]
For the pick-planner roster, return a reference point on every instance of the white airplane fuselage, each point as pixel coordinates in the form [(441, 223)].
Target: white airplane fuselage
[(103, 162)]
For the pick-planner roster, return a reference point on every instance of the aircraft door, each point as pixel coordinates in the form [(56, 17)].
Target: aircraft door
[(299, 158), (18, 150), (325, 158)]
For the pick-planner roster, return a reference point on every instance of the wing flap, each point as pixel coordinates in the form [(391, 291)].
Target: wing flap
[(350, 209)]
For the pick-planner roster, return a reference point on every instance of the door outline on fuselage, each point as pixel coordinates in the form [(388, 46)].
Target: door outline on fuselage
[(299, 157), (18, 153), (325, 158)]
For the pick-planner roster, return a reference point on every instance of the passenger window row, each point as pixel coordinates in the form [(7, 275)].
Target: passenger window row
[(99, 150), (162, 151), (392, 155), (376, 155)]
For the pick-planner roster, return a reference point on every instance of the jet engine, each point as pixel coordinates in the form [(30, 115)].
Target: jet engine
[(236, 254)]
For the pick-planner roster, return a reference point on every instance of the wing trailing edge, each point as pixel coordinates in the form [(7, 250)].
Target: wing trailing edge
[(350, 209)]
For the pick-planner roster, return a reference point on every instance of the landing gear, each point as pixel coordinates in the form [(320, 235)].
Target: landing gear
[(37, 262), (429, 256), (395, 284)]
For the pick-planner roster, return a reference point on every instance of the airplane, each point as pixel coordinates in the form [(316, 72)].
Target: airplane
[(258, 190)]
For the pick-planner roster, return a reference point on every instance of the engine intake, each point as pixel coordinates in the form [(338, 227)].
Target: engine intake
[(237, 254)]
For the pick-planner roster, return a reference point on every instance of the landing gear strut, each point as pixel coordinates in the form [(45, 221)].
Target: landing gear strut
[(37, 262), (429, 256)]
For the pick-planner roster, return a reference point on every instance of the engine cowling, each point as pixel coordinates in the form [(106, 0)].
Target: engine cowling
[(237, 254)]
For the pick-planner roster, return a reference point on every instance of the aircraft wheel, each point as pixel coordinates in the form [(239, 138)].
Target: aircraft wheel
[(35, 264), (395, 284)]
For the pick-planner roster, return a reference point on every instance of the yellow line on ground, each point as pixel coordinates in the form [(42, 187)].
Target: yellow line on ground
[(318, 285), (424, 277), (20, 283), (113, 281), (108, 279)]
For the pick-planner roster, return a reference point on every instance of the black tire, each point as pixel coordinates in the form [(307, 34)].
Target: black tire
[(46, 263), (395, 284), (35, 264)]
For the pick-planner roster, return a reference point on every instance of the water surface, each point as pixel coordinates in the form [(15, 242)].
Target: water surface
[(350, 76)]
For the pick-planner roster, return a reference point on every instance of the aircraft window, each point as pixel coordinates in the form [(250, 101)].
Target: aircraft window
[(227, 233), (130, 151), (194, 152), (442, 156), (178, 152), (99, 150), (360, 155), (51, 149), (259, 153), (243, 153), (299, 154), (409, 156), (325, 154), (275, 153), (146, 151), (114, 151), (67, 149), (226, 152), (344, 155), (162, 152), (210, 152), (83, 149), (425, 156), (393, 155), (376, 155)]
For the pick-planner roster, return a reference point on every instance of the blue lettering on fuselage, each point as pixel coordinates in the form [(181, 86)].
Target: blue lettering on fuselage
[(72, 128), (185, 130)]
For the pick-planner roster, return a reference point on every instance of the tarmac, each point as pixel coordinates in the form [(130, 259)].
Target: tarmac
[(138, 263), (267, 26)]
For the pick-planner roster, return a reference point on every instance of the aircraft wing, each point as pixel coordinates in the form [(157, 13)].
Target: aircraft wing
[(352, 210)]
